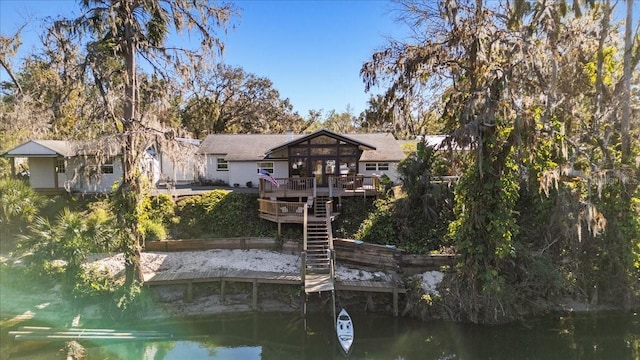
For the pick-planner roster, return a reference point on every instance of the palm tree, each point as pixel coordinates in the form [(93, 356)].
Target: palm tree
[(138, 29)]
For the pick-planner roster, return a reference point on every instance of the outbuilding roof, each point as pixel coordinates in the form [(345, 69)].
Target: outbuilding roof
[(42, 148)]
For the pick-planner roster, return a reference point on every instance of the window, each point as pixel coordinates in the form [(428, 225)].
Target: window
[(266, 165), (60, 166), (107, 167), (376, 166), (222, 165)]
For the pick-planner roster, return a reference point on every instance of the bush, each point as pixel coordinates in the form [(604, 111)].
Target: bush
[(19, 205), (152, 231), (220, 213)]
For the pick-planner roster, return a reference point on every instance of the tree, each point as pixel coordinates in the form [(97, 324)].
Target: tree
[(493, 72), (229, 100), (406, 118), (344, 122), (127, 31)]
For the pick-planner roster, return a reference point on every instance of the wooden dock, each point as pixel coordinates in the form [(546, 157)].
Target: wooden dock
[(311, 283)]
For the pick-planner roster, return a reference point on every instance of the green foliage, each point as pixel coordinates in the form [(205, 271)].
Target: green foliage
[(416, 174), (129, 302), (93, 286), (160, 208), (219, 213), (485, 225), (378, 227), (392, 220), (156, 214), (353, 212), (70, 238), (152, 231), (19, 205)]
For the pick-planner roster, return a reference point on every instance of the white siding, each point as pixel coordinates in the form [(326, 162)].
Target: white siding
[(42, 172), (182, 173), (211, 172), (241, 172), (392, 173), (102, 183)]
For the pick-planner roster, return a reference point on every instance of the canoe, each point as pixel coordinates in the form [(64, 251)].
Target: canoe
[(344, 330)]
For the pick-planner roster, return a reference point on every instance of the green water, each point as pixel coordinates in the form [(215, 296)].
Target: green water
[(611, 335)]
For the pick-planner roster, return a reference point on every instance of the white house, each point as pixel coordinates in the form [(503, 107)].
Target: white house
[(57, 166), (235, 159)]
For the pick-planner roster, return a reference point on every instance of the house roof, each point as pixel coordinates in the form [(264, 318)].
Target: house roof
[(241, 147), (42, 148), (252, 147)]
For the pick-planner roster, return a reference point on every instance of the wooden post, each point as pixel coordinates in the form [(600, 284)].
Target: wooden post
[(255, 294), (395, 301), (303, 297), (335, 322), (189, 293), (222, 290)]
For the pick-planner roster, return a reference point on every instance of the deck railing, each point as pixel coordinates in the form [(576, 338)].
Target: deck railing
[(346, 185), (281, 208)]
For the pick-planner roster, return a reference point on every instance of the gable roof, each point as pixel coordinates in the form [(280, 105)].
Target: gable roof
[(55, 148), (255, 147), (42, 148), (302, 138)]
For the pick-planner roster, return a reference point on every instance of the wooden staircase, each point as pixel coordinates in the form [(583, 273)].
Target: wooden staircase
[(318, 249), (320, 206)]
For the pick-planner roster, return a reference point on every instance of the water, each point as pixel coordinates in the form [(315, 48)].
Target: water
[(277, 336)]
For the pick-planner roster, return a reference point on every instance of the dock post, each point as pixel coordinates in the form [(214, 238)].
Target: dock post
[(395, 301), (255, 294), (333, 295), (222, 290), (189, 292)]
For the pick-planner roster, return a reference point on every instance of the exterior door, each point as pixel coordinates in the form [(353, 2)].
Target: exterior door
[(321, 169)]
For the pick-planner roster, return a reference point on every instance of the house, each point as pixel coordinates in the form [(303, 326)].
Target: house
[(302, 178), (236, 158), (57, 166)]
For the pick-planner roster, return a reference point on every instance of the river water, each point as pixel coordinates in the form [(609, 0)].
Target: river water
[(278, 336)]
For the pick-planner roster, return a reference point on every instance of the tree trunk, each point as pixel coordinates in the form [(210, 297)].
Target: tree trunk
[(626, 92), (130, 189)]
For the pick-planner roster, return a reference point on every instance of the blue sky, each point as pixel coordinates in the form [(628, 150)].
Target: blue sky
[(311, 50)]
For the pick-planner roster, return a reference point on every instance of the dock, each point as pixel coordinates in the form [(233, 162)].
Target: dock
[(313, 283)]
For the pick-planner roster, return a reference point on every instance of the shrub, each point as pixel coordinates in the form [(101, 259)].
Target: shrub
[(19, 205), (152, 230), (219, 213)]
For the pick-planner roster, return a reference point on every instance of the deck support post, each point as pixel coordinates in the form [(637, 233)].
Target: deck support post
[(189, 292), (255, 294), (222, 291), (303, 303), (303, 296)]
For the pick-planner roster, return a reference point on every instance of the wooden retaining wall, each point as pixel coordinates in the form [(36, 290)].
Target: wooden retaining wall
[(207, 244), (367, 256)]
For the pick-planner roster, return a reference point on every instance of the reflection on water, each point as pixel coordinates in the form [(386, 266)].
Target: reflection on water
[(286, 336)]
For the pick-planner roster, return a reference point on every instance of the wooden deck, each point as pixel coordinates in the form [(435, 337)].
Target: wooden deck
[(313, 283)]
